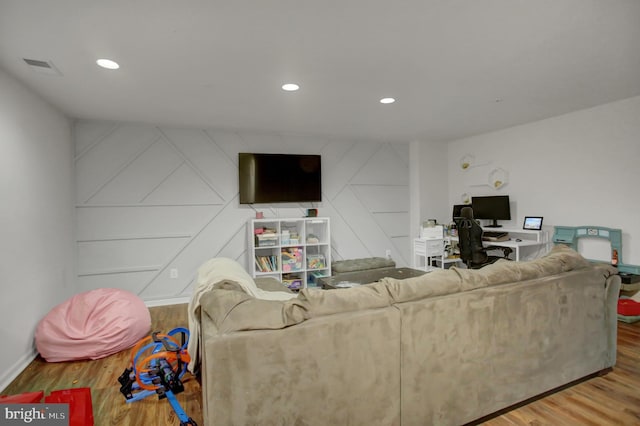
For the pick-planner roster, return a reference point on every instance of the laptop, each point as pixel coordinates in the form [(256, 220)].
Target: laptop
[(533, 223)]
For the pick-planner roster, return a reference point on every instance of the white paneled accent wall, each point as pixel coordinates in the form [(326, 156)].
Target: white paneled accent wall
[(152, 201)]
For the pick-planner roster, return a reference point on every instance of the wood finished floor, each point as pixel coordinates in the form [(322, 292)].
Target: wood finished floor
[(613, 399)]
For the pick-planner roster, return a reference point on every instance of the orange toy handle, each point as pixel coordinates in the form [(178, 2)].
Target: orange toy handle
[(146, 340)]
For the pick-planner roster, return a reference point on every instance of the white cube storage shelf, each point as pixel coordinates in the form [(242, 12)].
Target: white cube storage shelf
[(296, 251)]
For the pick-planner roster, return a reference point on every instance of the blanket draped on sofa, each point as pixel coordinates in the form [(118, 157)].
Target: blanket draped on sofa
[(215, 274)]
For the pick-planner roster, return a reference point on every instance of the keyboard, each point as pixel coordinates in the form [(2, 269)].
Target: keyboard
[(495, 236)]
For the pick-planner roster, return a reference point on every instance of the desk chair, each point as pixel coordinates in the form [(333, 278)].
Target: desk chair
[(472, 252)]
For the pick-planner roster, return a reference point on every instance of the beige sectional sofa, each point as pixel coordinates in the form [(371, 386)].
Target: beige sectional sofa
[(446, 348)]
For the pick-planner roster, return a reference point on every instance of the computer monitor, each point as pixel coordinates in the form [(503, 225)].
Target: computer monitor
[(494, 208), (457, 210)]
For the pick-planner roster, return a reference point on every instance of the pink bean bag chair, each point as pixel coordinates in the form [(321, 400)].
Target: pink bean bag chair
[(93, 325)]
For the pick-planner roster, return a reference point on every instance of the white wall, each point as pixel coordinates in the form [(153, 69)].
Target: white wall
[(576, 169), (434, 182), (429, 188), (151, 199), (36, 218)]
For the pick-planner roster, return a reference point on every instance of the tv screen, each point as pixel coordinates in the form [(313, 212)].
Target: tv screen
[(494, 208), (279, 178)]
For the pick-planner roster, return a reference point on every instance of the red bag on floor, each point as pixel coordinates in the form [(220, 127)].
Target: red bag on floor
[(23, 398), (628, 307), (80, 407)]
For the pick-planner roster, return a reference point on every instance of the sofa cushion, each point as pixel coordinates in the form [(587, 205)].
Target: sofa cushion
[(323, 302), (236, 310), (351, 265), (231, 309), (436, 283), (560, 259), (441, 282)]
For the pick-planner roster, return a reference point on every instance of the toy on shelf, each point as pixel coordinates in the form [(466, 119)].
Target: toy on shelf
[(291, 259), (292, 282), (315, 261), (157, 365)]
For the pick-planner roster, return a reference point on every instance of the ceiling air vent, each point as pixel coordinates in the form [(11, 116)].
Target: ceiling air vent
[(43, 67)]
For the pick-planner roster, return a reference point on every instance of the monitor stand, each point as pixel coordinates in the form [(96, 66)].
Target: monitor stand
[(494, 224)]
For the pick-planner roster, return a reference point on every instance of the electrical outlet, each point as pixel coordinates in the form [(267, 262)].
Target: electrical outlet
[(388, 253), (173, 272)]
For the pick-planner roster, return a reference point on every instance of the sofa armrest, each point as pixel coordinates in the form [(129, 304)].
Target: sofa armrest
[(612, 290)]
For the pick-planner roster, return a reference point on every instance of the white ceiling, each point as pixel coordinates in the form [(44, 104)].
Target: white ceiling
[(221, 63)]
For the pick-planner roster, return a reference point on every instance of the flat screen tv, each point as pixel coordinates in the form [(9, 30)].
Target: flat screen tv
[(494, 208), (279, 178)]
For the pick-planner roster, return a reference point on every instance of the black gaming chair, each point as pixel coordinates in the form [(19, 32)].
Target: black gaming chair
[(472, 252)]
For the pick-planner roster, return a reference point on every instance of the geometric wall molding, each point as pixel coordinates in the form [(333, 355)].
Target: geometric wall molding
[(152, 200)]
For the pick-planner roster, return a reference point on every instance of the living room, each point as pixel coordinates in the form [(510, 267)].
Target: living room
[(91, 205)]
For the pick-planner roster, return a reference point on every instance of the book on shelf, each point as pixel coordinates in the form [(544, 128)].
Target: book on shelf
[(266, 263), (264, 230)]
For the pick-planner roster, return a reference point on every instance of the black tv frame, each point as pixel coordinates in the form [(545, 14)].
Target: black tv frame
[(279, 178)]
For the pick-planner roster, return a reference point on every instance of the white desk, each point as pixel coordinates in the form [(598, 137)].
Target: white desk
[(515, 245), (529, 239)]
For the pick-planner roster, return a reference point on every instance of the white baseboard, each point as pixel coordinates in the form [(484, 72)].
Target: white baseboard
[(165, 302), (8, 376)]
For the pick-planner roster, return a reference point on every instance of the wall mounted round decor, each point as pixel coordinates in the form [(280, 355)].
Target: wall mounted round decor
[(498, 178), (466, 161)]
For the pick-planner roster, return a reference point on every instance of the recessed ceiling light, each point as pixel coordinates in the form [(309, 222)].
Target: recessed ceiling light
[(387, 100), (108, 64), (290, 87)]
